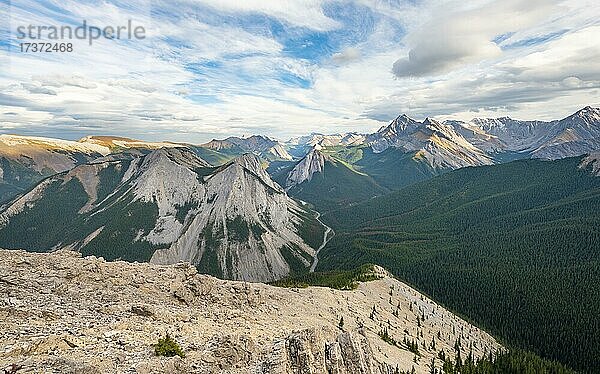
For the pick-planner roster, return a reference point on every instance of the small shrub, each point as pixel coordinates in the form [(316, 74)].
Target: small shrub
[(168, 347)]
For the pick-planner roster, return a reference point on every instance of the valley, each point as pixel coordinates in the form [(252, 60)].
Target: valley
[(513, 247), (327, 235), (496, 219)]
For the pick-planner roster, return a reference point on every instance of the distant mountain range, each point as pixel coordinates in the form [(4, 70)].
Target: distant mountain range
[(574, 135), (263, 146), (454, 144), (228, 206)]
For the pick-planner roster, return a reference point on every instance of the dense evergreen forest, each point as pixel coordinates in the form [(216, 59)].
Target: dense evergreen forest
[(44, 225), (510, 362), (515, 248)]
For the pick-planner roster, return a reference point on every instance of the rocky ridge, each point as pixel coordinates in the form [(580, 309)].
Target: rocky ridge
[(25, 160), (436, 143), (116, 143), (61, 313), (257, 144), (592, 161), (313, 162), (168, 206)]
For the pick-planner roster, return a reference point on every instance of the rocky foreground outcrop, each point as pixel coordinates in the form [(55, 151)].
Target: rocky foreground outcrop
[(60, 313)]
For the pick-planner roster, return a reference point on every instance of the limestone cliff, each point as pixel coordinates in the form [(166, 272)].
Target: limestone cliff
[(61, 313), (169, 206)]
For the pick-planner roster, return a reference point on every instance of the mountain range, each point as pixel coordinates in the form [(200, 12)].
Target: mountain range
[(168, 206), (240, 208), (489, 216)]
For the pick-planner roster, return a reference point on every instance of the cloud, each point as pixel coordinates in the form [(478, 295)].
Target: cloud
[(453, 38), (304, 13), (347, 55), (64, 80), (546, 82), (38, 89), (212, 69)]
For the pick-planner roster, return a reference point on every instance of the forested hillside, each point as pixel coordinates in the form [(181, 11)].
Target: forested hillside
[(514, 247)]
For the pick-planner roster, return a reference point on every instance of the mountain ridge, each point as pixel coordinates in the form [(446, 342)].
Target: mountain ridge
[(122, 309), (232, 221)]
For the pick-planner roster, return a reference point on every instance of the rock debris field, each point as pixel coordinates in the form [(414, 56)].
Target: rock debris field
[(61, 313)]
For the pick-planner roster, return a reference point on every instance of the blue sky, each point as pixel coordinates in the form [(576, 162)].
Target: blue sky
[(213, 68)]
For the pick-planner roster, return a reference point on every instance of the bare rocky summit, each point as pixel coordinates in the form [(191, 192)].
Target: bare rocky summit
[(313, 162), (60, 313), (168, 206)]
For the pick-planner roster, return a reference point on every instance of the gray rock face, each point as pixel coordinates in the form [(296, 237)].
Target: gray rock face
[(243, 219), (435, 143), (66, 314), (592, 162), (313, 162), (232, 221)]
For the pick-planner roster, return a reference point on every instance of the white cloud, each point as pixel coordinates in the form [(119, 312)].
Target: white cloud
[(347, 55), (154, 88), (457, 36), (306, 13), (548, 81)]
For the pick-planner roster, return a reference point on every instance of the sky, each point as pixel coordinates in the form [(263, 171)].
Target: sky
[(282, 68)]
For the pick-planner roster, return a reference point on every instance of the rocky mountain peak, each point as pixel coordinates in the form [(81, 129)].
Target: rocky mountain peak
[(430, 121), (181, 156), (437, 126), (251, 163), (437, 144), (313, 162), (587, 115), (401, 124)]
